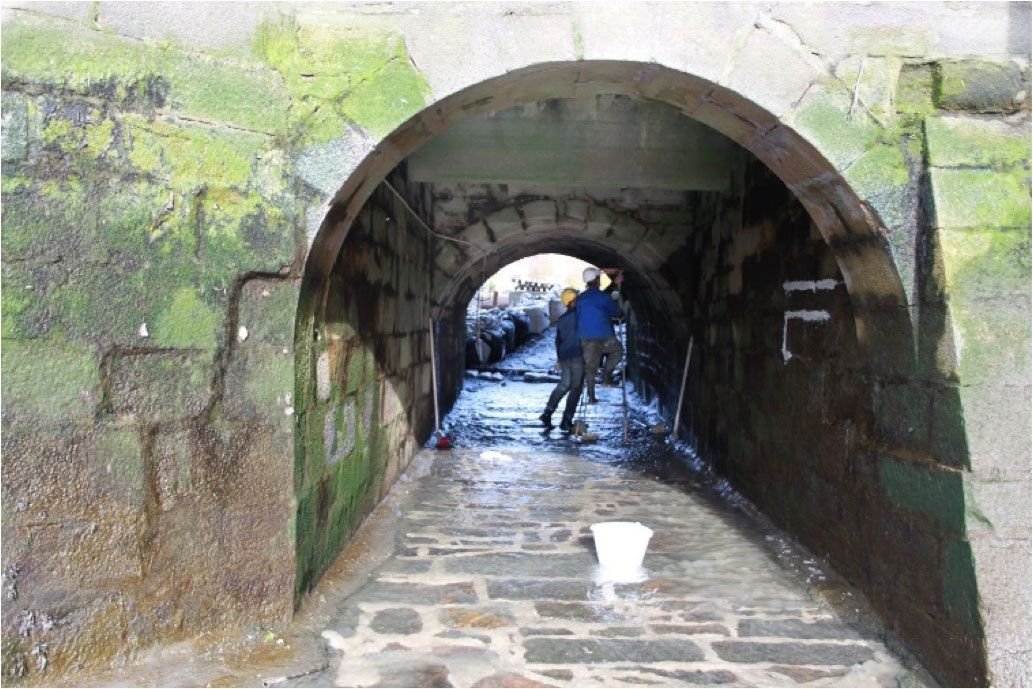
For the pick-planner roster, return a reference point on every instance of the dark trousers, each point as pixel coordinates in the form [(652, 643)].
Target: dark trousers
[(594, 350), (572, 378)]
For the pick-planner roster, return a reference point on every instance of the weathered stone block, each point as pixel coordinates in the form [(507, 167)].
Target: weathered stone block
[(515, 589), (986, 263), (915, 89), (505, 222), (113, 463), (561, 651), (50, 382), (825, 119), (874, 79), (396, 621), (173, 467), (936, 494), (797, 629), (539, 215), (973, 142), (980, 86), (794, 653), (267, 309), (902, 414), (881, 176), (998, 508), (981, 198), (386, 592), (600, 221), (259, 384), (774, 72), (627, 231), (14, 130), (992, 340), (160, 386), (997, 430)]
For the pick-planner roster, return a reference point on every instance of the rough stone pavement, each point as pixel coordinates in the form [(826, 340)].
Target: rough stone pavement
[(493, 582)]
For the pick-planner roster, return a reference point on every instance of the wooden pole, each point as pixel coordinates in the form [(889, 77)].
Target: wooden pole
[(434, 378), (681, 395)]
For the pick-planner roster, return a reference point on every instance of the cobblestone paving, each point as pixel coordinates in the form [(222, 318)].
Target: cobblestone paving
[(494, 582), (479, 570)]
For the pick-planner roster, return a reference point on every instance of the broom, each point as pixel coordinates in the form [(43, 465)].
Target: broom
[(661, 429)]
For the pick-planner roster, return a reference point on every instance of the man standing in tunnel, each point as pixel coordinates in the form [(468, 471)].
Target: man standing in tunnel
[(595, 313), (571, 361)]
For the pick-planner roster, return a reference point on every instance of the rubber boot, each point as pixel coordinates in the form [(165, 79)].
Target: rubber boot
[(546, 419)]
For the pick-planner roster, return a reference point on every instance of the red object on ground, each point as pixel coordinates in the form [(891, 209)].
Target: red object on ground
[(444, 443)]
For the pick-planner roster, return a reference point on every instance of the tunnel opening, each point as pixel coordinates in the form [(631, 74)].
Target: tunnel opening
[(731, 229)]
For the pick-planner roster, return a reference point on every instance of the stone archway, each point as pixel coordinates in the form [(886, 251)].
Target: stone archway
[(866, 264)]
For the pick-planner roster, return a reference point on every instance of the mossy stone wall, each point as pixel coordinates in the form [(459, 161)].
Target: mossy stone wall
[(155, 225)]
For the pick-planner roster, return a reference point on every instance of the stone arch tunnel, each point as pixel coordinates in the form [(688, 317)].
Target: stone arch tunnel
[(842, 229)]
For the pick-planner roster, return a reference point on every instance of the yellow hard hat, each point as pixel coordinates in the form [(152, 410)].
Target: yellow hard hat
[(568, 295)]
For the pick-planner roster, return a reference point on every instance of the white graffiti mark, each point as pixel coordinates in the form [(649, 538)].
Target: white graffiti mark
[(802, 315), (826, 285)]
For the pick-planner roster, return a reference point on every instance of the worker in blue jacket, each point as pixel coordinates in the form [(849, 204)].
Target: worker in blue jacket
[(596, 310), (572, 364)]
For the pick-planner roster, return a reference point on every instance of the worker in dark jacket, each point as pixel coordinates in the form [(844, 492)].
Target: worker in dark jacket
[(572, 364), (595, 313)]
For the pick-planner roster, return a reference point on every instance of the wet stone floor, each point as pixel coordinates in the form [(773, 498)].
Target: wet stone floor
[(480, 571)]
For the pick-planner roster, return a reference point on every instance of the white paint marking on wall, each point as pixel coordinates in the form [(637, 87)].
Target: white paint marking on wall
[(826, 285), (323, 376), (802, 315)]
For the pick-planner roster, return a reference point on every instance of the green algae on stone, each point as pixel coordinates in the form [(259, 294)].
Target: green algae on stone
[(190, 156), (979, 86), (50, 381), (338, 75), (94, 63), (14, 132), (971, 142), (986, 263), (825, 119), (915, 90), (269, 378), (160, 387), (981, 198), (882, 174), (187, 323)]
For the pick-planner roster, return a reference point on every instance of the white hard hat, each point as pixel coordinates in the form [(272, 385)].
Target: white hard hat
[(590, 274)]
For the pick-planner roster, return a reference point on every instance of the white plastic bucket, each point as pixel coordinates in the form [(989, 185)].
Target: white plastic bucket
[(621, 546)]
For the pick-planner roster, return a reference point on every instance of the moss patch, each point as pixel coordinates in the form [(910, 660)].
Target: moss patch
[(95, 63), (981, 198), (826, 120), (337, 75), (986, 263), (50, 381), (186, 323), (191, 156), (964, 141)]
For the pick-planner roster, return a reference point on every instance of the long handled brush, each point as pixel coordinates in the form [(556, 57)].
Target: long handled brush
[(661, 429)]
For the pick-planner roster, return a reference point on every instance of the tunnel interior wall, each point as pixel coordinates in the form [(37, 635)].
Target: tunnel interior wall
[(781, 400), (364, 380)]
